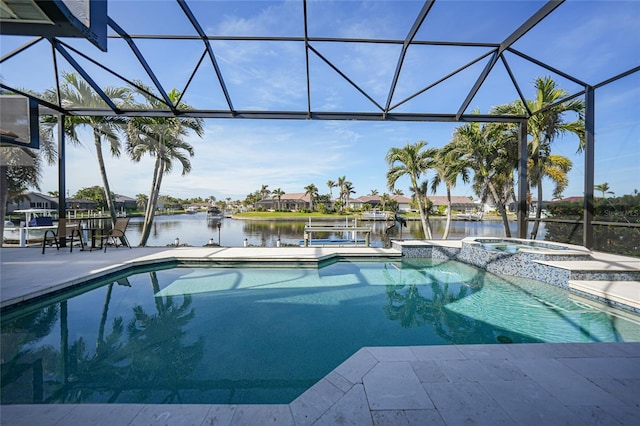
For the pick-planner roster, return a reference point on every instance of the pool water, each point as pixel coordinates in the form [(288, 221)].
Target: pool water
[(515, 247), (230, 335)]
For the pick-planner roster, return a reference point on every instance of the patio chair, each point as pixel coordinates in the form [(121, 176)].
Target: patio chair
[(62, 232), (116, 233)]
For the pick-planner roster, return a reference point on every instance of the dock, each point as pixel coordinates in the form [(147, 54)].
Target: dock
[(354, 230)]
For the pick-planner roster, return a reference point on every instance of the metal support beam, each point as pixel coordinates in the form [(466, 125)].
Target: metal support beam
[(343, 75), (83, 73), (62, 183), (142, 61), (589, 168), (196, 25), (542, 13), (545, 10), (407, 41), (306, 57), (479, 82), (522, 181)]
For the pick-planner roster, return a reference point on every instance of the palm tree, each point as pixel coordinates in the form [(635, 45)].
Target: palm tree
[(76, 92), (312, 191), (277, 193), (373, 192), (398, 191), (413, 161), (161, 138), (545, 127), (340, 184), (449, 165), (331, 184), (264, 191), (384, 199), (604, 188), (493, 158), (348, 190), (141, 201)]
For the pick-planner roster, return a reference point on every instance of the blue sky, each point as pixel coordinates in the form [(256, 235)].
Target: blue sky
[(592, 40)]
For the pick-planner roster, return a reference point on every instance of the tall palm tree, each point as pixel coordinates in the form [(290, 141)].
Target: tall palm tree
[(493, 158), (331, 184), (413, 161), (448, 166), (265, 191), (277, 193), (340, 184), (348, 190), (312, 191), (161, 138), (75, 91), (545, 127)]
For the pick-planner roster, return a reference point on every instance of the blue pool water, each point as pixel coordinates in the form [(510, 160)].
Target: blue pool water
[(265, 335)]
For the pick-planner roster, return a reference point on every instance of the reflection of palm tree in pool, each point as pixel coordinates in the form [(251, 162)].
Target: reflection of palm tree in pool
[(147, 355), (406, 305)]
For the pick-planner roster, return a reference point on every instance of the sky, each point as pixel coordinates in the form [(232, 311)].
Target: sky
[(591, 40)]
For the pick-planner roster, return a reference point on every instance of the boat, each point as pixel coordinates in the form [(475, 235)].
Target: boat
[(375, 215), (469, 216), (31, 226), (214, 213), (191, 210)]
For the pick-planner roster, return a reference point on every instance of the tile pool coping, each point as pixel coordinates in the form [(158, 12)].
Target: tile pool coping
[(527, 383)]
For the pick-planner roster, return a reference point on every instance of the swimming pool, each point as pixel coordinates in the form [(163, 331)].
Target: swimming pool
[(259, 335)]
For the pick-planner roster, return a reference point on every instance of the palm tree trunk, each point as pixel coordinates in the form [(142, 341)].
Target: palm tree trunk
[(155, 285), (105, 181), (103, 317), (151, 205), (536, 224), (426, 216), (500, 205), (425, 224), (447, 226)]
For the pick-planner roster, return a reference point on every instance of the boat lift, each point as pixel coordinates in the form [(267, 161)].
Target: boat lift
[(354, 229)]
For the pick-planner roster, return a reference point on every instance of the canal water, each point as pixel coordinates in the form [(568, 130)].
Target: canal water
[(195, 230)]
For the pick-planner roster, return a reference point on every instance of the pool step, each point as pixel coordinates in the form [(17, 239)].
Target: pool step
[(624, 292), (597, 270)]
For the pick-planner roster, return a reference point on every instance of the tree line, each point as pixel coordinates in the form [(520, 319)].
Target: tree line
[(161, 138), (483, 154)]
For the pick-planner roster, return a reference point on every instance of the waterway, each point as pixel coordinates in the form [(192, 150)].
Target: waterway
[(195, 230)]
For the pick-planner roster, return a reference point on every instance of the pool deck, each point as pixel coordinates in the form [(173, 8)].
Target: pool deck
[(568, 383)]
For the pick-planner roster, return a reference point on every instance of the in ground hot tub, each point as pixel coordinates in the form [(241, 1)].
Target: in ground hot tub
[(511, 245), (522, 258)]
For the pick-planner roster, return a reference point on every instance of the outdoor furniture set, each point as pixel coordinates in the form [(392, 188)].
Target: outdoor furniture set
[(95, 235)]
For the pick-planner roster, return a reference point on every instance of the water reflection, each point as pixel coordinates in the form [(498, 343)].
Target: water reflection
[(266, 335), (146, 358), (196, 230)]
